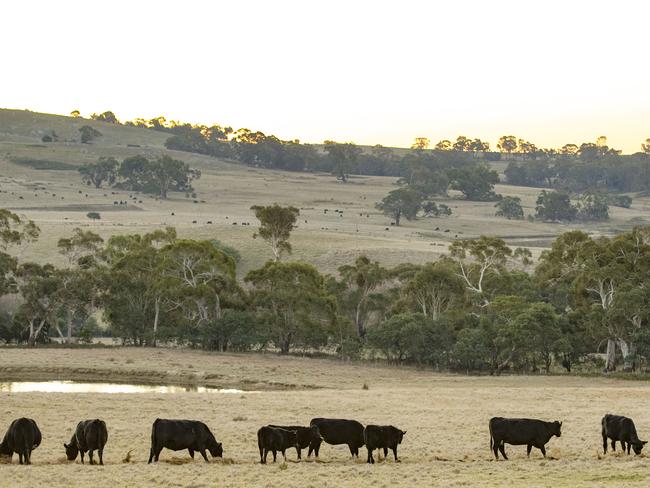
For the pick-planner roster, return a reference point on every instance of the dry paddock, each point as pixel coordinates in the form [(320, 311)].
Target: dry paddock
[(447, 441)]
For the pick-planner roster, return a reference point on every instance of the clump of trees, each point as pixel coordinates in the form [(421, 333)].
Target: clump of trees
[(556, 206), (510, 208), (137, 173), (484, 307), (88, 133)]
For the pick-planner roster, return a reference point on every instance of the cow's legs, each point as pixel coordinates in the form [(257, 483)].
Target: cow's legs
[(299, 452), (502, 448), (371, 459), (529, 448), (90, 456), (314, 447), (20, 458), (628, 446), (150, 455), (543, 449), (275, 455), (82, 453), (605, 444), (157, 454), (101, 456), (205, 457), (266, 453), (261, 455), (351, 450), (495, 449), (28, 456), (385, 452), (395, 453), (191, 451), (613, 445)]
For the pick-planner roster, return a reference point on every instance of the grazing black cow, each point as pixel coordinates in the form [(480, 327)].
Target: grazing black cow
[(89, 436), (306, 435), (275, 439), (183, 434), (529, 432), (382, 437), (619, 428), (22, 437), (338, 431)]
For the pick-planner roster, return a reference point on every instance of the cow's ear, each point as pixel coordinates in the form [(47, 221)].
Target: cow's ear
[(65, 445), (403, 432), (644, 442), (560, 424)]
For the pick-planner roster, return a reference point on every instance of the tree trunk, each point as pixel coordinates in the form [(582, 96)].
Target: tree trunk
[(610, 365), (68, 320), (361, 330), (155, 321), (627, 350)]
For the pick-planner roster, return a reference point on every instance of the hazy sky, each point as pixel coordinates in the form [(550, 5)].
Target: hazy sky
[(365, 71)]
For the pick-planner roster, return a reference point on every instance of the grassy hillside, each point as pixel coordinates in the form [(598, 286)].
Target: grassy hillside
[(40, 181)]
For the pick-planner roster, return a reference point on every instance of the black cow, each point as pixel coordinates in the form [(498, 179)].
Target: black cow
[(22, 437), (275, 439), (90, 435), (619, 428), (306, 435), (183, 434), (382, 437), (338, 431), (529, 432)]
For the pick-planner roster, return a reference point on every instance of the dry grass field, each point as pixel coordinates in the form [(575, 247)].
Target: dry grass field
[(226, 192), (445, 416)]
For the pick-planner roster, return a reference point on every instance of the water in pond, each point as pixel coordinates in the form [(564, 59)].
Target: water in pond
[(77, 387)]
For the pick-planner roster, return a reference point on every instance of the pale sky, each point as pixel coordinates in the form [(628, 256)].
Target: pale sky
[(552, 72)]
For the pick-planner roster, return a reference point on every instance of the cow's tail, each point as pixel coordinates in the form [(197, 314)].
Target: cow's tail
[(153, 439), (491, 437)]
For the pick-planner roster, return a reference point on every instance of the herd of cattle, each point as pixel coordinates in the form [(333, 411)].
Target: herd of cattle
[(23, 436)]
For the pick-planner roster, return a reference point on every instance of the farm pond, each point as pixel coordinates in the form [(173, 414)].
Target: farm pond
[(81, 387)]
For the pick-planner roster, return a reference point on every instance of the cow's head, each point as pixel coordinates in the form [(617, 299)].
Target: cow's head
[(216, 449), (638, 446), (315, 433), (556, 430), (5, 453), (71, 451)]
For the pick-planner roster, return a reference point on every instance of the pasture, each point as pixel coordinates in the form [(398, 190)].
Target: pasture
[(40, 181), (445, 416)]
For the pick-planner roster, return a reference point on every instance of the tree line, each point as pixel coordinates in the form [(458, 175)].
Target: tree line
[(484, 307), (573, 167), (158, 176)]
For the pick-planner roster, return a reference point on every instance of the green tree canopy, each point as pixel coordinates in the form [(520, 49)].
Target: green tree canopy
[(510, 208), (104, 170), (276, 224), (403, 202)]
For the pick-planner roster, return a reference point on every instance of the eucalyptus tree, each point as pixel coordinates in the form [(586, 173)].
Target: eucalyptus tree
[(276, 224), (78, 284), (198, 279), (435, 288), (293, 303), (135, 298), (361, 295)]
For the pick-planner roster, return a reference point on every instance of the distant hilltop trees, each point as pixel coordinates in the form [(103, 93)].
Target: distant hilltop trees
[(592, 166)]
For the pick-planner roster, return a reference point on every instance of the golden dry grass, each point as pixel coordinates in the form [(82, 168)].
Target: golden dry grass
[(228, 191), (446, 417)]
